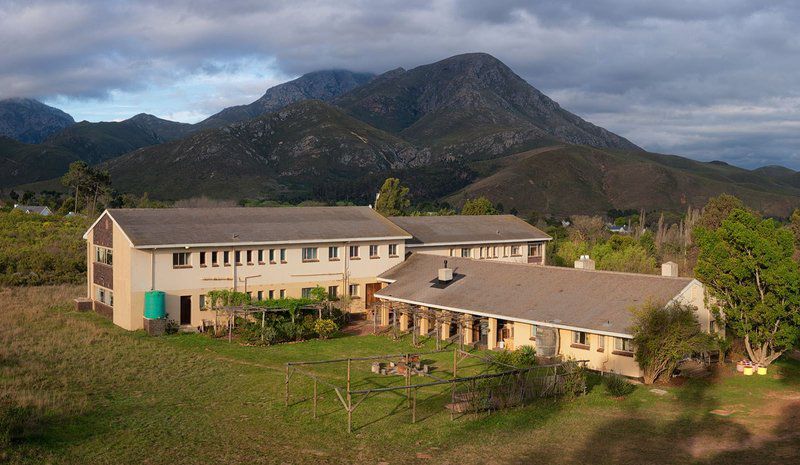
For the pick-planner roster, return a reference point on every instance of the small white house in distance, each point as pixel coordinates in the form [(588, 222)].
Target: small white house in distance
[(37, 209)]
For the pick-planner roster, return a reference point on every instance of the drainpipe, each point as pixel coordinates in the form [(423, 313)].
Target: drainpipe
[(152, 269)]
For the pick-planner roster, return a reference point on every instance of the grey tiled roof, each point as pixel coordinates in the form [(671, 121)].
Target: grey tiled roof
[(467, 229), (592, 300), (194, 226)]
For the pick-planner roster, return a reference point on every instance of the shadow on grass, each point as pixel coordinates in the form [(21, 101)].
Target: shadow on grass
[(690, 434)]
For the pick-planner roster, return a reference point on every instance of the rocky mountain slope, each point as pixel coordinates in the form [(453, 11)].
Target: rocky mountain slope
[(31, 121), (295, 152), (319, 85), (470, 105), (22, 163), (97, 142)]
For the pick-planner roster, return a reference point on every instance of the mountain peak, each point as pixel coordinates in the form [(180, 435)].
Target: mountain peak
[(31, 121)]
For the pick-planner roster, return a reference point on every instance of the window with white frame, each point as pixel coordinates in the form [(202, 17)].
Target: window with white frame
[(226, 257), (333, 253), (271, 294), (260, 255), (353, 251), (601, 342), (515, 251), (333, 292), (623, 345), (580, 338), (352, 290), (309, 254), (282, 293), (249, 257), (202, 301), (272, 255), (373, 251), (202, 258), (214, 258), (392, 250), (180, 259), (103, 255), (534, 250), (305, 293), (465, 252), (260, 295), (283, 255), (104, 296)]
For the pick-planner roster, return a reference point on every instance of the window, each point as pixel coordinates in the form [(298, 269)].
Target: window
[(623, 345), (465, 252), (580, 338), (226, 258), (214, 259), (272, 255), (104, 296), (260, 295), (271, 294), (601, 343), (495, 251), (238, 257), (283, 255), (103, 255), (514, 250), (353, 290), (309, 254), (282, 294), (180, 259), (202, 259), (534, 250), (202, 301), (261, 256), (249, 257), (305, 293), (373, 251), (354, 252), (333, 292), (392, 250), (333, 253), (249, 295)]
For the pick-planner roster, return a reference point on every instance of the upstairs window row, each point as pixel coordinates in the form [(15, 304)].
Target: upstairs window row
[(497, 251), (251, 257)]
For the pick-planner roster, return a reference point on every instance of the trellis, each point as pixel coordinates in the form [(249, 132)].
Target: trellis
[(233, 311), (481, 392), (435, 316)]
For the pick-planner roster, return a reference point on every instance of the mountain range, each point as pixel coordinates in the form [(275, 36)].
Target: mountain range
[(452, 130)]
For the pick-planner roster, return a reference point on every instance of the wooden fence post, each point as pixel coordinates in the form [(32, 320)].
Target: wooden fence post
[(315, 398), (286, 387)]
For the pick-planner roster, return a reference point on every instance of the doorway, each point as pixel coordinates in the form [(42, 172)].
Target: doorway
[(372, 288), (186, 310)]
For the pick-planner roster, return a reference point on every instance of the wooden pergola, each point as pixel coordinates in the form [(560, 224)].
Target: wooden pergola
[(400, 313)]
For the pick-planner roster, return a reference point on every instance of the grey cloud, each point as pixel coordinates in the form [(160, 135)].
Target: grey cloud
[(656, 72)]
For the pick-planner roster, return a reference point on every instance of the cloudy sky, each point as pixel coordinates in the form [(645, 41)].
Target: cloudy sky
[(714, 79)]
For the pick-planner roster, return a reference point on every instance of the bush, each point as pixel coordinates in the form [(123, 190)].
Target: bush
[(617, 385), (325, 328), (523, 357)]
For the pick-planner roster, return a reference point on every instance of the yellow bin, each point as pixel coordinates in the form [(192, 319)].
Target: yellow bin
[(748, 371), (762, 370)]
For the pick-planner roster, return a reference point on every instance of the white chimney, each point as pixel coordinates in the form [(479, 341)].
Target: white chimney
[(669, 269), (445, 274), (584, 263)]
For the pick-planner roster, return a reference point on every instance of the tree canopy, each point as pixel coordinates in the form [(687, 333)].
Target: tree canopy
[(747, 267), (479, 206), (663, 335), (392, 199)]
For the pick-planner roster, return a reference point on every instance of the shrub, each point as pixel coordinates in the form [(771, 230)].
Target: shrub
[(617, 385), (523, 357), (325, 328)]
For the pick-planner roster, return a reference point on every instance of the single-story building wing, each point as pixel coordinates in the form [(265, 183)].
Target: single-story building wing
[(580, 313)]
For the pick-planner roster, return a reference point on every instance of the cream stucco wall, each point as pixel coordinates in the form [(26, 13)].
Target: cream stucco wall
[(137, 271), (486, 251)]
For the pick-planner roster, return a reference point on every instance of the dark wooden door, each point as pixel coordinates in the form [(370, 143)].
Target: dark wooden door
[(186, 309), (372, 288)]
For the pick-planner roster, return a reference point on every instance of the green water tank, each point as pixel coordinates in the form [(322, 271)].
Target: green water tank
[(154, 307)]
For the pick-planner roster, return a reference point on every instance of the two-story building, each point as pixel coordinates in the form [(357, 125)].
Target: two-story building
[(484, 237), (267, 252)]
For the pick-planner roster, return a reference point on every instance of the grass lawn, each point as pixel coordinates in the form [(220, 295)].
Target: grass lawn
[(76, 389)]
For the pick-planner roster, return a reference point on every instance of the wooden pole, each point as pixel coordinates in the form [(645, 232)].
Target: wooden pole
[(455, 362), (286, 387), (315, 398), (415, 329), (349, 401), (414, 407), (263, 315), (230, 326), (408, 378)]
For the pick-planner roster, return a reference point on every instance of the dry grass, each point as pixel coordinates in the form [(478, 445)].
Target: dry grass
[(76, 389)]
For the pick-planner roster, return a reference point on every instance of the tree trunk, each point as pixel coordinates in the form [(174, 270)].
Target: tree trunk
[(760, 355), (76, 199)]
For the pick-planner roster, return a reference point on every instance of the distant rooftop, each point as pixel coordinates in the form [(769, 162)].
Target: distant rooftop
[(467, 229), (562, 297), (38, 209), (162, 227)]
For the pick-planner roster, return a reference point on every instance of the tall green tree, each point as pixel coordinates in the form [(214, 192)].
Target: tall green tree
[(663, 335), (479, 206), (77, 178), (392, 199), (747, 267), (717, 209)]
